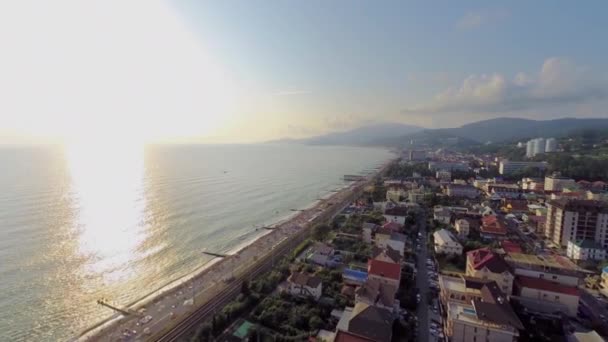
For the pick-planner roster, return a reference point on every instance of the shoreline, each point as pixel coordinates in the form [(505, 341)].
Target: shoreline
[(283, 227)]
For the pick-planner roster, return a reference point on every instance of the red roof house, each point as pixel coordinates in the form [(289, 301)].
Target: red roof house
[(385, 270), (492, 226)]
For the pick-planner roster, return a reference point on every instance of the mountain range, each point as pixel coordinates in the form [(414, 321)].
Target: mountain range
[(494, 130)]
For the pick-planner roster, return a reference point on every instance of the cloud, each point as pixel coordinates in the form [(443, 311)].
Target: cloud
[(474, 19), (558, 83)]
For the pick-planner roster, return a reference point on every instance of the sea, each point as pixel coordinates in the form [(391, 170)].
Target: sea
[(84, 222)]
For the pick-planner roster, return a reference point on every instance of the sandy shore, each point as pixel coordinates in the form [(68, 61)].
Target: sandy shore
[(180, 297)]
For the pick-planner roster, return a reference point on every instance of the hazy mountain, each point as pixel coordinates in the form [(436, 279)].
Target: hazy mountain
[(505, 129), (366, 135)]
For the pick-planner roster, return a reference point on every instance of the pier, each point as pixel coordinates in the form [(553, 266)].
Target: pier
[(124, 311), (215, 254)]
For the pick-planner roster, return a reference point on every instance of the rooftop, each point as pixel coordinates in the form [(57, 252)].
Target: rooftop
[(546, 285), (484, 257), (580, 205), (398, 237), (545, 262), (373, 291), (304, 279), (371, 322), (444, 236), (389, 252), (384, 269)]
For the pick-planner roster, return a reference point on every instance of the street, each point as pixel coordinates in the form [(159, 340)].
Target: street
[(422, 283)]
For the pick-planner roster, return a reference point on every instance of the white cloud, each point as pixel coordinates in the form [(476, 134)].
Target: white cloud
[(558, 83), (477, 18)]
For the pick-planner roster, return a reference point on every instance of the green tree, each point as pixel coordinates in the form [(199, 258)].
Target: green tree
[(321, 231)]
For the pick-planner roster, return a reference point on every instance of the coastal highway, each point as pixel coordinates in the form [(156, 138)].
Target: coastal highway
[(231, 291)]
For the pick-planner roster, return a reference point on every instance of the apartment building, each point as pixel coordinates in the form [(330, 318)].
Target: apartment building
[(576, 220)]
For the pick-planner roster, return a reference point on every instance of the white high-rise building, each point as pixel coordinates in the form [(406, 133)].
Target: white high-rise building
[(551, 145), (530, 149), (539, 146)]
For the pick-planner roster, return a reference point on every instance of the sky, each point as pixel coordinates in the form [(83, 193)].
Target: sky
[(257, 70)]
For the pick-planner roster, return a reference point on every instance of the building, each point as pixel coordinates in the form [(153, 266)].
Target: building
[(396, 194), (445, 243), (305, 285), (450, 166), (378, 294), (365, 322), (604, 282), (442, 214), (585, 250), (396, 242), (414, 155), (485, 264), (551, 145), (385, 272), (489, 318), (460, 289), (463, 227), (493, 227), (547, 297), (320, 254), (444, 175), (462, 191), (396, 214), (556, 182), (530, 149), (507, 167), (556, 268), (539, 146), (387, 254), (368, 230), (575, 220)]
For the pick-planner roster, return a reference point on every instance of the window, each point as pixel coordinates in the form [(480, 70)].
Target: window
[(554, 277), (556, 297)]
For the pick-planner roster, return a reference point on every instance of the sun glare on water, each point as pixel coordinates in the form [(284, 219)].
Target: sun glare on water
[(107, 185)]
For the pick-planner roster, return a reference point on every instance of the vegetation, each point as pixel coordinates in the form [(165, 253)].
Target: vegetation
[(402, 171), (451, 263), (361, 250), (290, 316), (320, 231)]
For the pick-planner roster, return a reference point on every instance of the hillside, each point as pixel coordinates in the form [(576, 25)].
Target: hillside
[(366, 135), (509, 129)]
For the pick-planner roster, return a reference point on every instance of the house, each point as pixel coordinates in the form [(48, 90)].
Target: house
[(446, 243), (320, 254), (585, 250), (489, 318), (462, 226), (365, 322), (387, 254), (375, 293), (396, 241), (385, 272), (492, 227), (485, 264), (396, 194), (514, 206), (461, 191), (461, 289), (510, 247), (305, 285), (442, 214), (368, 230), (548, 297), (381, 237), (393, 226), (396, 214)]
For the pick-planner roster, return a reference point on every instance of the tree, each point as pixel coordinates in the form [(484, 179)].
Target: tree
[(315, 322), (321, 231)]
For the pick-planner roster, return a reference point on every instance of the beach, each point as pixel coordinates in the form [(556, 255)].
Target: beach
[(160, 310)]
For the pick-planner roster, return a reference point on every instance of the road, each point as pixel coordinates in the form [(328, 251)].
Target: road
[(422, 283)]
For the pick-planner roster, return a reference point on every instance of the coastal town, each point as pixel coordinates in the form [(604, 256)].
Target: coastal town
[(437, 245)]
